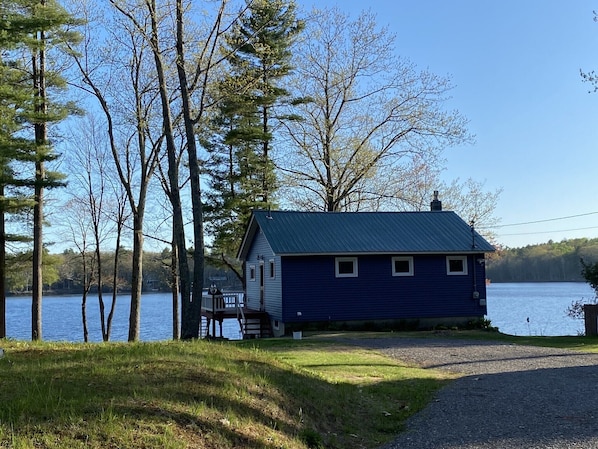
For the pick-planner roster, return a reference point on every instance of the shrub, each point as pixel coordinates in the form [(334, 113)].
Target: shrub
[(311, 438)]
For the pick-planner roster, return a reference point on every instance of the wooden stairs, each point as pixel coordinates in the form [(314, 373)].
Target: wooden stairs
[(253, 323)]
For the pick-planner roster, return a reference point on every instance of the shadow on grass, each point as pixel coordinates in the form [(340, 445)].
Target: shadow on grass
[(202, 395)]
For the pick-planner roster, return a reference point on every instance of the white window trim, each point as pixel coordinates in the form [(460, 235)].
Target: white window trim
[(338, 260), (252, 272), (456, 273), (402, 258), (272, 269)]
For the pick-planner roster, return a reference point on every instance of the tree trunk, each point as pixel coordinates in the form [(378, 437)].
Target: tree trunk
[(181, 250), (115, 277), (84, 316), (192, 309), (37, 283), (2, 269), (136, 278), (100, 284), (176, 333), (178, 223), (41, 137), (86, 286)]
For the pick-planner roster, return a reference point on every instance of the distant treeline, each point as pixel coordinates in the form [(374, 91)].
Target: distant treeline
[(547, 262), (67, 274)]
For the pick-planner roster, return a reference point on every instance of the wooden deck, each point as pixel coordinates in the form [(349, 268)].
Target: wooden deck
[(217, 308)]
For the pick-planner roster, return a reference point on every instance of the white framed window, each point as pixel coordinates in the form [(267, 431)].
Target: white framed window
[(271, 268), (402, 266), (456, 265), (346, 267), (252, 272)]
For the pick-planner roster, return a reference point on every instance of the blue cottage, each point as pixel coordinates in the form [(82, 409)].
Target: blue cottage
[(363, 267)]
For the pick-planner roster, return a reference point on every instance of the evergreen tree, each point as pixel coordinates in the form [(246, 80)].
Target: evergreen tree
[(30, 29), (243, 174)]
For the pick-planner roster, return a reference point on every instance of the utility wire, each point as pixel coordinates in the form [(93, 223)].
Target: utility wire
[(548, 232), (547, 220), (540, 221)]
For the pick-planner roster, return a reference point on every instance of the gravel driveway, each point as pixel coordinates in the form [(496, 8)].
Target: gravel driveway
[(510, 396)]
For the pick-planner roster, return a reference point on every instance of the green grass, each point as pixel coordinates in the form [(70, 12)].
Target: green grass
[(581, 343), (276, 393), (271, 393)]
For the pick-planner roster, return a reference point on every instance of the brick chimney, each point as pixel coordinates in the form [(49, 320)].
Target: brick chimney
[(436, 204)]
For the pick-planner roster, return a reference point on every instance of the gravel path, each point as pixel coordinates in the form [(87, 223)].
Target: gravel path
[(510, 396)]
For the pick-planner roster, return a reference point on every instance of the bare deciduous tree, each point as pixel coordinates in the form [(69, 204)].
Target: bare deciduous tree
[(371, 117), (115, 71), (195, 55), (97, 212), (80, 231)]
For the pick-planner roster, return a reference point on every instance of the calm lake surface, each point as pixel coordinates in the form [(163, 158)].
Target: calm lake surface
[(61, 318), (509, 307), (545, 304)]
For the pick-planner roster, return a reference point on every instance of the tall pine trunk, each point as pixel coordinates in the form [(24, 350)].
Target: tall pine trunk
[(2, 268), (41, 137)]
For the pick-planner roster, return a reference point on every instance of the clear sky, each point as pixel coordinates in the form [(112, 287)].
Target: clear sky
[(516, 67)]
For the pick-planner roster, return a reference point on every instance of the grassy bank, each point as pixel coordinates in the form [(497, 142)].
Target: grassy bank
[(281, 394), (275, 393), (579, 343)]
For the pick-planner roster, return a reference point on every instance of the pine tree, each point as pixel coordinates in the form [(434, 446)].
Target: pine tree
[(14, 99), (30, 29), (243, 174)]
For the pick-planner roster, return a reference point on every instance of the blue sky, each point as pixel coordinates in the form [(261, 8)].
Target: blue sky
[(516, 67)]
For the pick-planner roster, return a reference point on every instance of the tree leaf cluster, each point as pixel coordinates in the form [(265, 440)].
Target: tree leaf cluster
[(589, 272)]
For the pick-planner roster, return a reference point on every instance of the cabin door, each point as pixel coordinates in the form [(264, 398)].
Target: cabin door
[(261, 275)]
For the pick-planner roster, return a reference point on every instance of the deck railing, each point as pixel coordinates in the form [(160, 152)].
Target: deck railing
[(229, 301)]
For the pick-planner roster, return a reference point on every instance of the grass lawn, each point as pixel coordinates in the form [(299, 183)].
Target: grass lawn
[(581, 343), (271, 393), (276, 393)]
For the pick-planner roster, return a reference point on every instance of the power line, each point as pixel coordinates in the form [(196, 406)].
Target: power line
[(547, 220), (547, 232)]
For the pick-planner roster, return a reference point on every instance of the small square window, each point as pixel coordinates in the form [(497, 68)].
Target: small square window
[(346, 267), (402, 266), (252, 272), (456, 265)]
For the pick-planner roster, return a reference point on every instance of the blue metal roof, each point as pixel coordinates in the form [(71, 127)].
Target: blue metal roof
[(300, 233)]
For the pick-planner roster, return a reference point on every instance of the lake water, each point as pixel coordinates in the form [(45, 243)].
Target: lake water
[(509, 308), (544, 304), (61, 318)]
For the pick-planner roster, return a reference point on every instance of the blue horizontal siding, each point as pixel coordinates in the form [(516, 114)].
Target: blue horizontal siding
[(311, 288)]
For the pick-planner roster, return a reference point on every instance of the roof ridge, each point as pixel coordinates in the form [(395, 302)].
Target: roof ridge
[(352, 212)]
